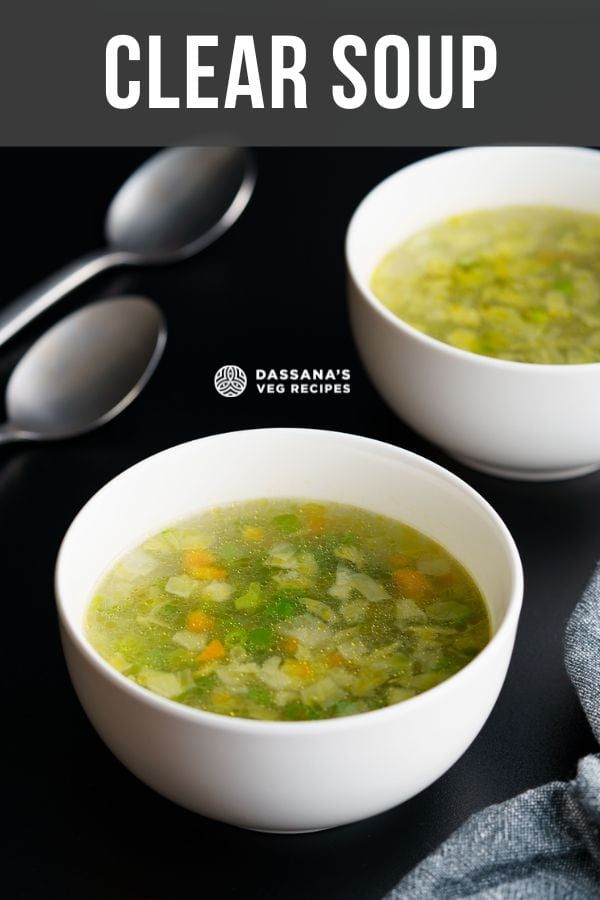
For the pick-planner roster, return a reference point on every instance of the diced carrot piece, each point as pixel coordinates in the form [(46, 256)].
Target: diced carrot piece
[(289, 646), (252, 533), (298, 669), (412, 583), (315, 518), (209, 573), (200, 564), (214, 650), (399, 560), (199, 621), (192, 560), (316, 523), (198, 557), (309, 509), (335, 660)]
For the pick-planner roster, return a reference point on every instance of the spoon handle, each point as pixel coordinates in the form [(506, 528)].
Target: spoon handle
[(21, 312)]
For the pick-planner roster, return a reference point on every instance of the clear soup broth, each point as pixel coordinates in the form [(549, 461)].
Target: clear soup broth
[(288, 610), (518, 283)]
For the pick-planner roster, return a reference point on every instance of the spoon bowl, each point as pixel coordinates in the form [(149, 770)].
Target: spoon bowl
[(177, 203), (85, 370), (157, 215)]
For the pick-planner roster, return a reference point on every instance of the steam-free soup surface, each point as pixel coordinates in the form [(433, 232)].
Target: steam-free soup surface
[(516, 283), (288, 610)]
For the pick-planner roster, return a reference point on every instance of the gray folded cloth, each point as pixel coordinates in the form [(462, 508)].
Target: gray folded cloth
[(545, 843)]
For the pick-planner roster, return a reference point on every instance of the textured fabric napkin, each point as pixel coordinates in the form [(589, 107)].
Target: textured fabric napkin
[(545, 843)]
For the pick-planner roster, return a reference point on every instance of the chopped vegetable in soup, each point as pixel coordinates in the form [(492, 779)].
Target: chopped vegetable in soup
[(519, 283), (288, 610)]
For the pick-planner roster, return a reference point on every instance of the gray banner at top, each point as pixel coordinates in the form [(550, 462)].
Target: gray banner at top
[(53, 88)]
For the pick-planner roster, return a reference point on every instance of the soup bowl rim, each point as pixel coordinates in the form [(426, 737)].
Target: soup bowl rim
[(434, 344)]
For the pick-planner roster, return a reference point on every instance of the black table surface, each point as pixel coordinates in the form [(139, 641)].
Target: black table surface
[(271, 293)]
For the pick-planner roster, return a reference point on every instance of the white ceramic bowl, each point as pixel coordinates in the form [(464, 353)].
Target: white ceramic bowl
[(287, 776), (519, 420)]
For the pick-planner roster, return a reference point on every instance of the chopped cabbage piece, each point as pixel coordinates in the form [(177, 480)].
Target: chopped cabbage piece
[(322, 610), (194, 641), (307, 629), (407, 612), (235, 675), (307, 565), (324, 692), (153, 617), (167, 684), (282, 698), (367, 680), (139, 562), (163, 545), (386, 650), (180, 585), (342, 677), (191, 539), (282, 556), (292, 580), (347, 581), (113, 594), (352, 650), (354, 610), (351, 554), (342, 588), (270, 672), (217, 591), (369, 588)]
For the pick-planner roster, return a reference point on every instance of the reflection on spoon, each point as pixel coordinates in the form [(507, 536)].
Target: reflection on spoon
[(84, 371), (175, 204)]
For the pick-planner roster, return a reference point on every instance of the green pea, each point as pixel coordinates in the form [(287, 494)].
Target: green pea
[(259, 639), (231, 552), (252, 598), (287, 523), (260, 695), (202, 687), (235, 636), (171, 614), (297, 711), (282, 607)]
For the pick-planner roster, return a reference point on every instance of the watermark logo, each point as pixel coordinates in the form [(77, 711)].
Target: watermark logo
[(230, 381)]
